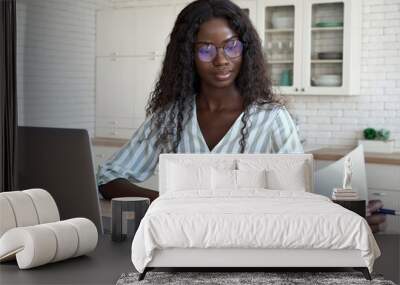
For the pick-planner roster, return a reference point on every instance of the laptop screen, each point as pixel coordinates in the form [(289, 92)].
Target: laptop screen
[(60, 161)]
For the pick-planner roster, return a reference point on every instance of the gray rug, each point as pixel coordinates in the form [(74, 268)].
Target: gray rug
[(243, 278)]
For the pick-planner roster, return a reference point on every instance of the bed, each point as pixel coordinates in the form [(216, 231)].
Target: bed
[(245, 211)]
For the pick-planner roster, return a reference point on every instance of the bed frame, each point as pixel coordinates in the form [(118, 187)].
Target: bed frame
[(248, 259)]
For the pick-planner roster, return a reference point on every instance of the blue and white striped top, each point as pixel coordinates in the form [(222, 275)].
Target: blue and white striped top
[(271, 131)]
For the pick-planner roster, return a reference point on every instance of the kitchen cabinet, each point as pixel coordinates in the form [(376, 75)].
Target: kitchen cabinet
[(134, 31), (123, 85), (130, 47), (312, 46)]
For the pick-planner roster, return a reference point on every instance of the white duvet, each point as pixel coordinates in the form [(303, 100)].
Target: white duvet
[(252, 218)]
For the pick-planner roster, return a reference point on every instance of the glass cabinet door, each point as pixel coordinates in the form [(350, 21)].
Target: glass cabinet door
[(281, 36), (324, 47)]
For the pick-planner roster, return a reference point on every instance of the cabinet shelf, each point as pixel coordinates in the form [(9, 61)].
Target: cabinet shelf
[(279, 61), (317, 29), (275, 31), (326, 61)]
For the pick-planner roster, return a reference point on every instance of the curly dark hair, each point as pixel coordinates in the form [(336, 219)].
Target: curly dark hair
[(169, 102)]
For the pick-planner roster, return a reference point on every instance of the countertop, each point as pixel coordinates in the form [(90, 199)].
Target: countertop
[(113, 142), (319, 154), (370, 157)]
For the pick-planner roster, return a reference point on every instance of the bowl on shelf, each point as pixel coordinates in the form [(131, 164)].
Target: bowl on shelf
[(328, 24), (327, 80), (282, 22), (330, 55)]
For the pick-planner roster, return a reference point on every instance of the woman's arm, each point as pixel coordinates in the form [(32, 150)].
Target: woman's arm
[(284, 136), (121, 187), (135, 162)]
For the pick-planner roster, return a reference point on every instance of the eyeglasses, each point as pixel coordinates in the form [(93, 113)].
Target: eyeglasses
[(206, 52)]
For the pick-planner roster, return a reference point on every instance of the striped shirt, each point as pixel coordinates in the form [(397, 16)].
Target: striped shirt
[(271, 130)]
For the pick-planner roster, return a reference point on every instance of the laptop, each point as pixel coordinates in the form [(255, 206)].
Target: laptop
[(60, 161)]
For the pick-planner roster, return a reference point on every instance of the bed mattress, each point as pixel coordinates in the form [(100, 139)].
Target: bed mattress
[(250, 219)]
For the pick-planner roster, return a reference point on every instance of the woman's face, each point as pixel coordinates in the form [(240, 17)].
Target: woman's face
[(220, 69)]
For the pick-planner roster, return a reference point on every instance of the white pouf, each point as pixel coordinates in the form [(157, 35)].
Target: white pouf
[(40, 244), (32, 233)]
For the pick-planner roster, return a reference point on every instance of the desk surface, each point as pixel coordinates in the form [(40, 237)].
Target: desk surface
[(370, 157), (110, 259), (102, 266)]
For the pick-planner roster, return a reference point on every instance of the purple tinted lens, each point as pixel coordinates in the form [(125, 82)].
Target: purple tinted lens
[(233, 48), (207, 52)]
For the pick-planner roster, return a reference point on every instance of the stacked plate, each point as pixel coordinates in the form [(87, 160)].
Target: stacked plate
[(327, 80), (282, 22)]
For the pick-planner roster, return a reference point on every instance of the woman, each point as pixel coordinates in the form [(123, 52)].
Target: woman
[(213, 96)]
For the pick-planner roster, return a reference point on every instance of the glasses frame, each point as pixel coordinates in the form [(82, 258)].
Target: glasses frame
[(217, 48)]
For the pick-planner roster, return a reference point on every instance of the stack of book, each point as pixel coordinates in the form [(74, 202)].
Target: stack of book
[(344, 194)]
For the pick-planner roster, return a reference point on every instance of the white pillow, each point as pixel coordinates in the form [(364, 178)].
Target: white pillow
[(294, 180), (227, 179), (282, 173), (251, 178), (182, 177), (223, 179)]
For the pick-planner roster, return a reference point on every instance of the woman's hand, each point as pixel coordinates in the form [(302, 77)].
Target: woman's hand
[(121, 187), (374, 218)]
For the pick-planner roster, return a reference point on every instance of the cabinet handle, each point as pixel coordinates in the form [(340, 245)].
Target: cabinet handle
[(302, 89), (379, 194), (296, 89)]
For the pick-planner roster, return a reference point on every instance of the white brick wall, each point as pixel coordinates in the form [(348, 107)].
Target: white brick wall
[(55, 62), (338, 121)]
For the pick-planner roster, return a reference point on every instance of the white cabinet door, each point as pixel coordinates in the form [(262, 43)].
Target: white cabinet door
[(141, 30), (147, 70), (332, 47), (383, 176), (153, 25), (313, 47), (123, 86), (280, 28), (115, 32), (115, 80)]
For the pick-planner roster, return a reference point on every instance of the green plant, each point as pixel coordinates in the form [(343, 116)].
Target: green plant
[(383, 134), (369, 134), (372, 134)]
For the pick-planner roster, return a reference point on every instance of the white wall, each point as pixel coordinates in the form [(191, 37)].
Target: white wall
[(55, 62), (56, 72)]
